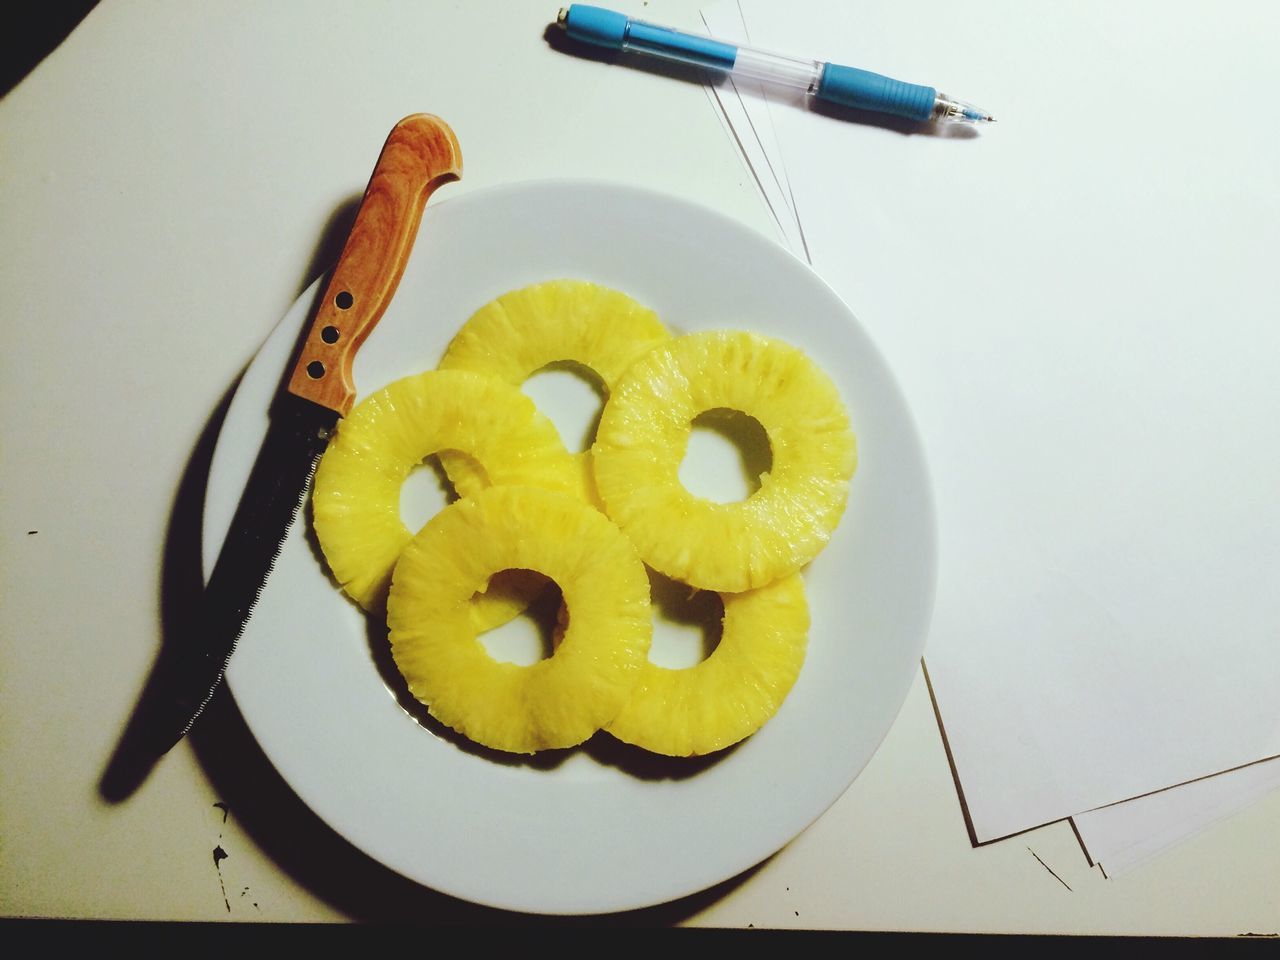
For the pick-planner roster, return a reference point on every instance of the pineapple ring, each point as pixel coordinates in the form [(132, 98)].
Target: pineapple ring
[(356, 498), (526, 330), (644, 432), (557, 702), (735, 691)]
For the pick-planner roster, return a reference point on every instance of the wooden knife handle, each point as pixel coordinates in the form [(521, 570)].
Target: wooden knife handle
[(420, 154)]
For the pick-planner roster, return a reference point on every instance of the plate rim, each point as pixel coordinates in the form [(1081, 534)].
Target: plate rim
[(929, 562)]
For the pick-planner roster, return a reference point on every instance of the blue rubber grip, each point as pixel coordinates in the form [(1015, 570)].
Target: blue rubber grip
[(604, 28), (864, 90), (616, 31), (702, 51)]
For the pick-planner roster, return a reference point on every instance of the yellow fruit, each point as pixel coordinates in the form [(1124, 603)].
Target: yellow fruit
[(507, 595), (557, 702), (526, 330), (735, 691), (356, 496), (644, 432)]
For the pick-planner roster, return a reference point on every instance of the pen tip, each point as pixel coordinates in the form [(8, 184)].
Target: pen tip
[(990, 119)]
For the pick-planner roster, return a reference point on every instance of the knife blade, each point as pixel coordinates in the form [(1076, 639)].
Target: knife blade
[(420, 154)]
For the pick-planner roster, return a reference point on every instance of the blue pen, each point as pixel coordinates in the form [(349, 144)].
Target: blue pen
[(847, 86)]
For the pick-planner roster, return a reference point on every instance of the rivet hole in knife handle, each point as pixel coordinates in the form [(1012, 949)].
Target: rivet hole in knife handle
[(420, 154)]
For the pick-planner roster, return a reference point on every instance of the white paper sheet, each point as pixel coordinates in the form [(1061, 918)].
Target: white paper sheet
[(730, 120), (1079, 303), (733, 116), (1122, 836), (756, 138)]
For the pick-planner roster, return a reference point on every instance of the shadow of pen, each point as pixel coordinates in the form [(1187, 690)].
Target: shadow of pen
[(560, 41)]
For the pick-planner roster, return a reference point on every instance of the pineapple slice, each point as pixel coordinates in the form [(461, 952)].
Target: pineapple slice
[(643, 434), (735, 691), (526, 330), (356, 495), (507, 595), (559, 701)]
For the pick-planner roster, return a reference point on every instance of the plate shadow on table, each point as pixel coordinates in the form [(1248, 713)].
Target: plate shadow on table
[(324, 863)]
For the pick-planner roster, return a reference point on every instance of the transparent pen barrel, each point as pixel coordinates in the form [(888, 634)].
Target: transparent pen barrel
[(756, 64), (746, 62)]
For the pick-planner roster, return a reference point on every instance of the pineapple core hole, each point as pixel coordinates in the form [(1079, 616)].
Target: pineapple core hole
[(426, 491), (572, 397), (687, 623), (531, 635), (727, 454)]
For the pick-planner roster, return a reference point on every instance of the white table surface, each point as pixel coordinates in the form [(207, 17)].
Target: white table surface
[(167, 177)]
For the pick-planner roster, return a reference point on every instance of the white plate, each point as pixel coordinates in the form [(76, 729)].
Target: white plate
[(590, 830)]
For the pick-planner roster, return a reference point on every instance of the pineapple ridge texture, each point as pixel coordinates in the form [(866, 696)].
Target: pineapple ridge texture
[(735, 691), (557, 702), (644, 432), (530, 510), (356, 494), (557, 321)]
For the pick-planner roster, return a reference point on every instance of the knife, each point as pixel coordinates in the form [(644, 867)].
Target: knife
[(420, 154)]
